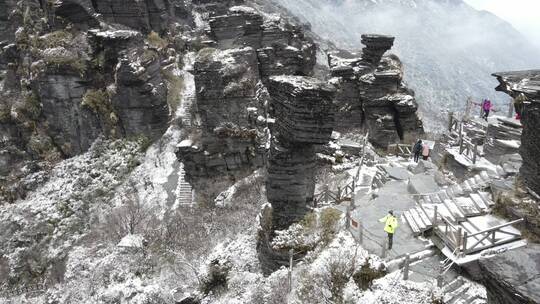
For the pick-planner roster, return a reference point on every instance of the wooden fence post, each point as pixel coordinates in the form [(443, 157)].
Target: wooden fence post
[(511, 109), (459, 237), (475, 151), (450, 121), (465, 242), (361, 232), (434, 216), (291, 253), (348, 217), (406, 267), (440, 276)]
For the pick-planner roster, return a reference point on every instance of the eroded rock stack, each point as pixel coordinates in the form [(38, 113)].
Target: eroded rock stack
[(528, 84), (304, 109), (371, 94)]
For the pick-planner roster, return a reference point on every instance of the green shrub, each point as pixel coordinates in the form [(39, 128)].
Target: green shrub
[(99, 102), (366, 275), (60, 38), (156, 41), (175, 87), (328, 221), (206, 54)]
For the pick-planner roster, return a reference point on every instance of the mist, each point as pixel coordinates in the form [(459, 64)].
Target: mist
[(449, 49)]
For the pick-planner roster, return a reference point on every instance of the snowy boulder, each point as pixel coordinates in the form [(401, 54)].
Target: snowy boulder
[(421, 183), (397, 173), (422, 167)]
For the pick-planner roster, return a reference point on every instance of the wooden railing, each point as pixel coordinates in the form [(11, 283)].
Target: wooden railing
[(460, 241), (470, 149), (345, 193), (400, 150), (342, 194), (474, 242)]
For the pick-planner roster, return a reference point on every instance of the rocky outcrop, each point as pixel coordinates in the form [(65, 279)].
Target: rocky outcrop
[(371, 94), (231, 103), (140, 100), (229, 145), (303, 108), (512, 277), (503, 138), (528, 84)]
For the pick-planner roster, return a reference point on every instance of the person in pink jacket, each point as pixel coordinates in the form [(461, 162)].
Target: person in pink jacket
[(486, 107), (425, 151)]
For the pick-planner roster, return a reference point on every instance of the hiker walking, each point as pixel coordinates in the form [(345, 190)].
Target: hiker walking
[(417, 149), (425, 151), (486, 108), (390, 225)]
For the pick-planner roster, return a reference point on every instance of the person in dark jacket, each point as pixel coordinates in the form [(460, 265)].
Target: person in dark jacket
[(417, 149)]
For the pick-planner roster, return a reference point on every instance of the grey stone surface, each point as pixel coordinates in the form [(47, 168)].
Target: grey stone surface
[(513, 277), (397, 173), (422, 183), (392, 196), (527, 83)]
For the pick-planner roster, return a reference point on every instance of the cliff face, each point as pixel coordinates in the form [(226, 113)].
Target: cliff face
[(528, 84), (66, 84), (512, 277), (232, 100)]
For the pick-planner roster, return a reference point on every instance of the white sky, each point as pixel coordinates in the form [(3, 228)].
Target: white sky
[(524, 15)]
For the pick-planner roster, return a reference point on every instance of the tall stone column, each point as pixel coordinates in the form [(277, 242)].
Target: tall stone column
[(304, 117)]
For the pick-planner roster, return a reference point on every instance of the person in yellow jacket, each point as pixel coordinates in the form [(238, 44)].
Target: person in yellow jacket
[(390, 225)]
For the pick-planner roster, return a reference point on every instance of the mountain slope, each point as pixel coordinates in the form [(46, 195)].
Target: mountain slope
[(448, 48)]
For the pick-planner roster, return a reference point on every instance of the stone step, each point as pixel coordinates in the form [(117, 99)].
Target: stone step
[(414, 227), (423, 216), (485, 176), (487, 198), (417, 220), (456, 213), (453, 296), (453, 285), (479, 181), (479, 202), (466, 187), (467, 206)]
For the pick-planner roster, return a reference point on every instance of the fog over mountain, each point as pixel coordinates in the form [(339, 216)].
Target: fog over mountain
[(449, 48)]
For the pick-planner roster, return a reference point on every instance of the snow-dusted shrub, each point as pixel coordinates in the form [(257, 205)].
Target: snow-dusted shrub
[(216, 278), (329, 220), (325, 279), (274, 289)]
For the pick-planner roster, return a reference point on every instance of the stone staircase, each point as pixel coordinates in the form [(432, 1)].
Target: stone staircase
[(457, 292), (456, 203), (185, 192)]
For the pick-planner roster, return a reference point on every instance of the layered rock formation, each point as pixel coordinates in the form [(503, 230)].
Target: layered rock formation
[(503, 137), (528, 84), (512, 277), (372, 94), (232, 103), (65, 87), (304, 112)]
